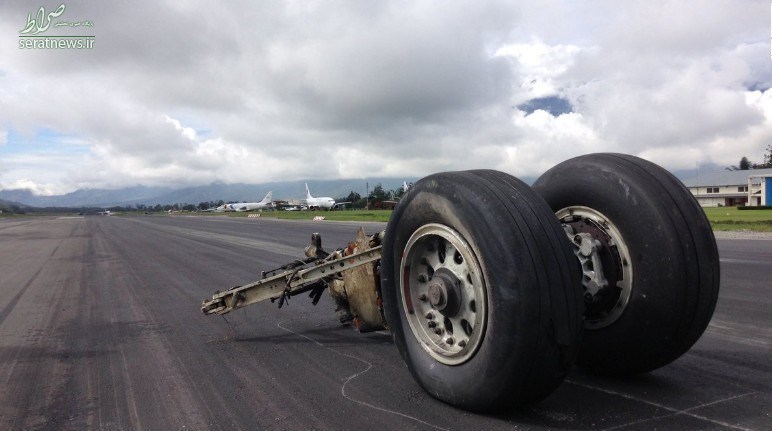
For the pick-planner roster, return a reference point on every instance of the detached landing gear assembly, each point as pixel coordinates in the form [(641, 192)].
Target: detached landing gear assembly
[(493, 289)]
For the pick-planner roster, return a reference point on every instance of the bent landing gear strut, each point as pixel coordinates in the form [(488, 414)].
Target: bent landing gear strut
[(350, 273)]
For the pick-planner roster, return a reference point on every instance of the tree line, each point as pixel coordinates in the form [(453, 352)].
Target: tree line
[(746, 164), (378, 198)]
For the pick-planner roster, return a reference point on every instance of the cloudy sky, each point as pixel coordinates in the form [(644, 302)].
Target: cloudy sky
[(185, 92)]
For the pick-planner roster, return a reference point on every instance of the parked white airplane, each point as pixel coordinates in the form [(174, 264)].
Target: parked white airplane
[(324, 202), (267, 202)]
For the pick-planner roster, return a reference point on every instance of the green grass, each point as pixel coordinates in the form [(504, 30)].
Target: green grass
[(721, 218), (347, 215), (730, 218)]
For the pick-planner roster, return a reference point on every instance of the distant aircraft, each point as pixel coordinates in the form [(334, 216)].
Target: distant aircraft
[(267, 202), (323, 202), (105, 212)]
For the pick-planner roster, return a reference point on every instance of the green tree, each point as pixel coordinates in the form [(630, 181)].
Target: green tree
[(378, 194), (767, 159), (352, 197), (745, 164), (400, 191)]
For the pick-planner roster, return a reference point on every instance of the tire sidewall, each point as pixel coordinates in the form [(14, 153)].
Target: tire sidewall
[(646, 335), (511, 324)]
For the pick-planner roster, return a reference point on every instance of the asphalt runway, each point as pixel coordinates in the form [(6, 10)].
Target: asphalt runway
[(100, 329)]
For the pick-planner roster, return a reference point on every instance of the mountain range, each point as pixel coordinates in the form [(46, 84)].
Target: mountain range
[(236, 192), (230, 192)]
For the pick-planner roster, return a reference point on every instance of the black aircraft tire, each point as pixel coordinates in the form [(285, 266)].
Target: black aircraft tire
[(493, 251), (672, 265)]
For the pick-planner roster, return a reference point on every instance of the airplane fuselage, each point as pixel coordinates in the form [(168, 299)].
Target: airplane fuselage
[(242, 206), (322, 202), (267, 202), (325, 203)]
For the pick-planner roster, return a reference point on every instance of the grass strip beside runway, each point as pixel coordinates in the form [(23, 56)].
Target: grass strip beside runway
[(730, 218)]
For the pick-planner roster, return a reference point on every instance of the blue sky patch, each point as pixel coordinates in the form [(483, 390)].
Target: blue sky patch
[(555, 105)]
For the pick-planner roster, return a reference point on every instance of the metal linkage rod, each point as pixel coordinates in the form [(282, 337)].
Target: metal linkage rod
[(286, 283)]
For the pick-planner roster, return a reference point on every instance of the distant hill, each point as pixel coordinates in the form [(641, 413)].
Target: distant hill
[(236, 192), (82, 197), (686, 174), (286, 190), (16, 196), (8, 204)]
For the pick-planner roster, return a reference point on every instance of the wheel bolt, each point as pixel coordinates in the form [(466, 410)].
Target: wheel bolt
[(422, 278), (432, 323), (423, 297), (462, 344), (439, 331), (450, 341), (429, 315)]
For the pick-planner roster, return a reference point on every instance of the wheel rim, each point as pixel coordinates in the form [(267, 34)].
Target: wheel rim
[(443, 293), (604, 304)]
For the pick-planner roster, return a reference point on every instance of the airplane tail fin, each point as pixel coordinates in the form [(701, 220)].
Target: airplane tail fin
[(268, 198), (404, 186), (308, 193)]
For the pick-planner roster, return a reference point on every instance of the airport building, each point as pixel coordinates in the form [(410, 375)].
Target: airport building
[(732, 188)]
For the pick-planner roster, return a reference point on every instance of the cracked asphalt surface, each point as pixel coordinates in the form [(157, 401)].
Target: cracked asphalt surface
[(100, 329)]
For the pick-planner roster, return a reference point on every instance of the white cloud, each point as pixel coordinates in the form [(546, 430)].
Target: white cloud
[(547, 139), (40, 189), (540, 65), (272, 91)]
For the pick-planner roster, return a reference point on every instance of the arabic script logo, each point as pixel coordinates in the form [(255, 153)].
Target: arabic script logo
[(42, 21)]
